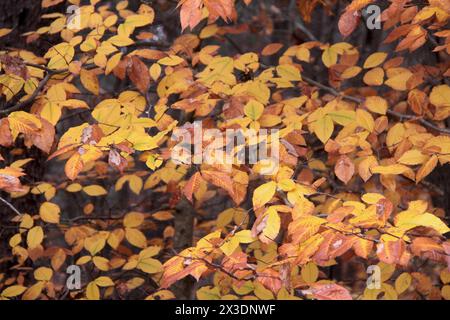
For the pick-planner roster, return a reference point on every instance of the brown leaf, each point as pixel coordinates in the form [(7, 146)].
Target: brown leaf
[(44, 138), (219, 179), (139, 75), (344, 168), (192, 185), (14, 65), (330, 291), (116, 160), (271, 49), (190, 14), (348, 22), (220, 8), (6, 138), (384, 209), (390, 252)]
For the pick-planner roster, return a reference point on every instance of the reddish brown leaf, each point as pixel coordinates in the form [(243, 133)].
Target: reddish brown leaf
[(14, 65), (139, 75), (190, 14), (192, 185), (219, 179), (330, 291), (271, 49), (6, 138), (348, 22), (344, 168), (44, 138)]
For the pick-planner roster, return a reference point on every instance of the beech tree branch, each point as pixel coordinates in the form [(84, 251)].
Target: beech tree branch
[(7, 203), (393, 113)]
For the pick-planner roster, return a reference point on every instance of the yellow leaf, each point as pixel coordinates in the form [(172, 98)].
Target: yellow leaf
[(351, 72), (342, 117), (440, 96), (104, 282), (135, 237), (413, 157), (101, 263), (374, 77), (171, 60), (289, 72), (50, 212), (92, 291), (365, 120), (208, 31), (244, 236), (35, 237), (310, 272), (94, 244), (112, 62), (34, 291), (51, 112), (135, 183), (409, 221), (390, 169), (445, 292), (403, 282), (4, 32), (43, 274), (90, 81), (95, 190), (121, 40), (372, 198), (229, 245), (139, 20), (375, 59), (254, 109), (272, 227), (60, 56), (376, 104), (399, 80), (262, 293), (155, 71), (264, 194), (15, 240), (150, 265), (329, 57), (133, 219), (323, 128), (303, 54), (13, 291)]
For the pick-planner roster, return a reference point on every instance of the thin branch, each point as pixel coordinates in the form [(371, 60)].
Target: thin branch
[(11, 206), (299, 25), (395, 114)]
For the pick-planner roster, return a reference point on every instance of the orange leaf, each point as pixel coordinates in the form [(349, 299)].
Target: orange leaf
[(192, 185), (219, 179), (271, 49), (344, 168), (348, 23), (73, 166)]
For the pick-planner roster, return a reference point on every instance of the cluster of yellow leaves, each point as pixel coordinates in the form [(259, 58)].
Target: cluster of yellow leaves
[(283, 226)]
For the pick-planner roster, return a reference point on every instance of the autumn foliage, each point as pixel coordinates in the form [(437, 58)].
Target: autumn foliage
[(87, 178)]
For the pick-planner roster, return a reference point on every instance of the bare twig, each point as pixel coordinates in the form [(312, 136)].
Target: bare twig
[(11, 206)]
